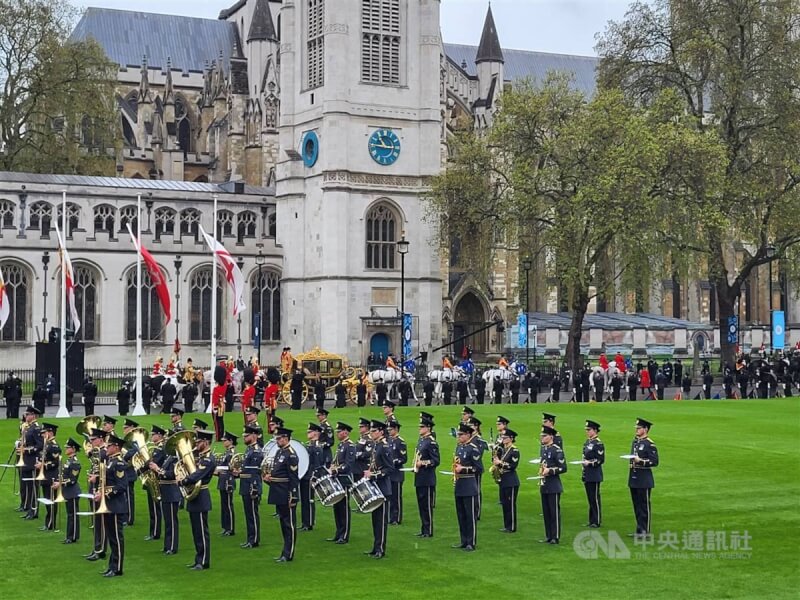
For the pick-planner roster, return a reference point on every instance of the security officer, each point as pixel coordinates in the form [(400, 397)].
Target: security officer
[(427, 459), (342, 467), (157, 457), (399, 450), (594, 455), (513, 387), (250, 486), (12, 389), (552, 465), (308, 509), (340, 391), (226, 485), (199, 506), (363, 449), (283, 482), (461, 391), (467, 466), (480, 390), (325, 437), (319, 393), (116, 485), (70, 488), (380, 470), (163, 465), (31, 450), (506, 463), (89, 396), (361, 393), (50, 460), (447, 391), (640, 477)]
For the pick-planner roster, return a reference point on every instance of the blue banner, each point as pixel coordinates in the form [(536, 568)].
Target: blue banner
[(522, 325), (256, 330), (778, 329), (407, 334), (733, 329)]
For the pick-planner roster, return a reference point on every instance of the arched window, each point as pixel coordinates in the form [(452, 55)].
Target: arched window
[(86, 299), (267, 300), (73, 217), (200, 326), (381, 237), (245, 226), (104, 216), (86, 131), (128, 136), (184, 126), (7, 209), (165, 222), (127, 214), (41, 215), (190, 223), (273, 225), (17, 288), (224, 224), (152, 316)]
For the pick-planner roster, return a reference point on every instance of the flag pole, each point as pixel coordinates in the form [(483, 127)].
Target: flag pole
[(139, 408), (62, 380), (213, 308)]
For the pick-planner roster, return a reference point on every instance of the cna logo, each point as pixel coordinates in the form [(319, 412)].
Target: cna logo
[(593, 545)]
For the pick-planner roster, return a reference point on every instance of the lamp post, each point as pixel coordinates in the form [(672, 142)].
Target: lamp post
[(770, 253), (177, 263), (260, 262), (526, 266), (402, 249), (240, 264), (45, 262)]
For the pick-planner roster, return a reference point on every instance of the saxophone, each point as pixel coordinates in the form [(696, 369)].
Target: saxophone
[(416, 459), (495, 469)]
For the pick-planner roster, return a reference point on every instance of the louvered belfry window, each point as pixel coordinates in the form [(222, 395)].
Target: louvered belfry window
[(380, 41), (316, 43)]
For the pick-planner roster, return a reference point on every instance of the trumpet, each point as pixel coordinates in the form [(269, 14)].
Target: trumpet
[(416, 459), (456, 461)]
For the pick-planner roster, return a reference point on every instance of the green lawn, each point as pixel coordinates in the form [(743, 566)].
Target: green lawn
[(726, 466)]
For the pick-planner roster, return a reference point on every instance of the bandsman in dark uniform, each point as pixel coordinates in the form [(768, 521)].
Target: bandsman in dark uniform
[(549, 420), (388, 412), (176, 416), (502, 425), (342, 467), (157, 457), (283, 482), (504, 470), (426, 460), (130, 472), (467, 464), (552, 466), (308, 508), (50, 459), (250, 486), (325, 437), (640, 477), (97, 439), (163, 465), (399, 451), (199, 506), (594, 455), (483, 445), (363, 449), (466, 414), (380, 470), (226, 484), (199, 425), (251, 418), (31, 451), (116, 485), (70, 488), (108, 425)]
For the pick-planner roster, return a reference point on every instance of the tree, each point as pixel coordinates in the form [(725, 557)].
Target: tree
[(57, 112), (575, 175), (735, 67)]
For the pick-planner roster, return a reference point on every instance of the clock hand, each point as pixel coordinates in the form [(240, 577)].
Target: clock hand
[(373, 145)]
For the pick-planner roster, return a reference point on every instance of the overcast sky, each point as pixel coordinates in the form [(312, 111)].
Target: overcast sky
[(566, 26)]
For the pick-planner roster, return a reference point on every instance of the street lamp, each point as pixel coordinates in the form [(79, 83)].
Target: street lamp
[(260, 262), (177, 263), (402, 249), (770, 253), (45, 262), (526, 266), (240, 264)]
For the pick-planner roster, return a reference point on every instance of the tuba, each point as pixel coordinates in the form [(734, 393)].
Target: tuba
[(83, 428), (181, 444), (141, 459)]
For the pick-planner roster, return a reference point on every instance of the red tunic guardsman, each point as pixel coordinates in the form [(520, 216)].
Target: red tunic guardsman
[(272, 391), (158, 367), (218, 401), (249, 393)]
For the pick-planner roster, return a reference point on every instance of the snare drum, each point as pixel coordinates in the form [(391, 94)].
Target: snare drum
[(328, 489), (367, 495)]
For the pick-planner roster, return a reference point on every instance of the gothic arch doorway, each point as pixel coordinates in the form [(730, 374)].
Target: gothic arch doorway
[(470, 315)]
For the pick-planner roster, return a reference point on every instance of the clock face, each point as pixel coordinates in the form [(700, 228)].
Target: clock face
[(384, 146), (309, 148)]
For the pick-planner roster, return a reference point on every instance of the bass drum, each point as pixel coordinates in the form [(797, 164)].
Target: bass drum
[(328, 489), (271, 449), (367, 495)]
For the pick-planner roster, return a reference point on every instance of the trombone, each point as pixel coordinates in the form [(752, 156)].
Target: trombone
[(102, 508)]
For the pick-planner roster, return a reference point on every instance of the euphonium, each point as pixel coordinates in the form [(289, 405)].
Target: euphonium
[(181, 445), (60, 496), (102, 508), (84, 427), (22, 429)]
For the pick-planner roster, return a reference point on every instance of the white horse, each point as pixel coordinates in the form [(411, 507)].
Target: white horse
[(504, 376), (390, 377), (442, 375)]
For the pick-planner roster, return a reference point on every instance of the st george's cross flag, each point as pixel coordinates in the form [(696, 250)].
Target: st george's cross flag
[(156, 277), (66, 265), (5, 308), (230, 271)]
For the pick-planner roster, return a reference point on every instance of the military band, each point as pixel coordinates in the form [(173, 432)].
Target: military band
[(154, 508), (399, 451), (113, 487), (308, 515), (466, 467)]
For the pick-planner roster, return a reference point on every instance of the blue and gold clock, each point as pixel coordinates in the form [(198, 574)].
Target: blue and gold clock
[(384, 146), (309, 148)]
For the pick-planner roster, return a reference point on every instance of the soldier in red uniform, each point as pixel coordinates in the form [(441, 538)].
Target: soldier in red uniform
[(218, 401), (271, 393), (249, 393)]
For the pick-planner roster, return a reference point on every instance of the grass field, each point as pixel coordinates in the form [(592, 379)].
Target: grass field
[(726, 466)]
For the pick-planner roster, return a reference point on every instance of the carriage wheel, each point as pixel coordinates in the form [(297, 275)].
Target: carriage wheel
[(352, 396), (286, 393)]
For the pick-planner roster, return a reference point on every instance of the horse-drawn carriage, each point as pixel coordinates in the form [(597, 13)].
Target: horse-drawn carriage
[(320, 365)]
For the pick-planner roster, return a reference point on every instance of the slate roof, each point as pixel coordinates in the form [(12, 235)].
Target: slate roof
[(520, 64), (612, 321), (262, 27), (126, 36), (489, 48)]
